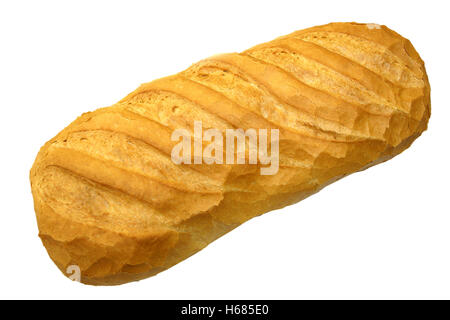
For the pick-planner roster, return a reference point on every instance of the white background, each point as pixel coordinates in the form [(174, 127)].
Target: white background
[(382, 233)]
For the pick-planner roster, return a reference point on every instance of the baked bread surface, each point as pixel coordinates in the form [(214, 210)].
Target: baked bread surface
[(109, 199)]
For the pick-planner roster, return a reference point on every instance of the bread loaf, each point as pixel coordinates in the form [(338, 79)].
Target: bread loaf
[(110, 200)]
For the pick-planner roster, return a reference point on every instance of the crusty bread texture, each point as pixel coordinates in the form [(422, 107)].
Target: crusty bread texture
[(110, 200)]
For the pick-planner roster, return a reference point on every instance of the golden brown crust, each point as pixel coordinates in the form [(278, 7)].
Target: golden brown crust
[(109, 199)]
